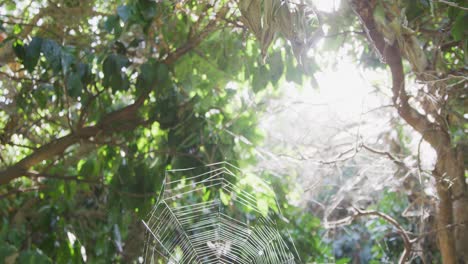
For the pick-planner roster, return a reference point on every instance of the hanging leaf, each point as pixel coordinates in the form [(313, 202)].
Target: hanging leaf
[(275, 62), (84, 72), (147, 77), (19, 49), (225, 198), (459, 29), (379, 14), (260, 79), (74, 85), (262, 205), (112, 25), (66, 60), (31, 56), (33, 257), (52, 53), (124, 12), (147, 9), (113, 75)]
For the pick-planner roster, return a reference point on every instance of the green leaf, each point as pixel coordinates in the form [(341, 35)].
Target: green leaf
[(52, 52), (66, 60), (459, 29), (112, 25), (33, 257), (416, 8), (343, 261), (275, 62), (379, 14), (260, 79), (162, 74), (33, 51), (225, 198), (124, 12), (74, 85), (206, 195), (293, 73), (333, 44), (113, 75), (19, 49), (134, 43), (465, 50), (262, 205), (84, 72), (17, 29), (165, 112), (147, 77), (152, 74), (89, 169), (41, 95), (11, 6), (6, 250), (147, 9)]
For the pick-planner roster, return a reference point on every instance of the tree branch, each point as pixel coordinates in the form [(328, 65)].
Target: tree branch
[(433, 133), (21, 190), (197, 38), (391, 55), (59, 177), (396, 160), (403, 233), (111, 123)]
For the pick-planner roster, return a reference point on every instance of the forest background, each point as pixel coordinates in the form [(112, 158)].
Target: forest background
[(353, 111)]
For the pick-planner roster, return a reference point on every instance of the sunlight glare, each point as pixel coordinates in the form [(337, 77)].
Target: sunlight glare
[(327, 5)]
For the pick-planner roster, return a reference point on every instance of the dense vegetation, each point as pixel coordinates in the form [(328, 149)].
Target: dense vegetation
[(99, 98)]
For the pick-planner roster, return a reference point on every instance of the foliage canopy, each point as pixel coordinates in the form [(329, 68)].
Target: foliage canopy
[(99, 98)]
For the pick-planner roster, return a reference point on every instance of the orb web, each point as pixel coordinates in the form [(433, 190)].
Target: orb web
[(215, 214)]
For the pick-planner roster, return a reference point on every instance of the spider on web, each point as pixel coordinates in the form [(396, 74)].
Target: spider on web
[(215, 214)]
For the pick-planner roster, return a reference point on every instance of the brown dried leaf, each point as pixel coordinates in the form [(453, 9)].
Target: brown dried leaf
[(251, 15)]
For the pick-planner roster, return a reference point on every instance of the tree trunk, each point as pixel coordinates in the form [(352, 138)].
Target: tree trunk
[(452, 215), (452, 210)]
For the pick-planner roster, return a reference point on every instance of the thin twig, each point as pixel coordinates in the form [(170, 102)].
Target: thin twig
[(21, 190), (385, 153), (452, 4), (340, 158), (347, 32), (20, 145), (59, 177)]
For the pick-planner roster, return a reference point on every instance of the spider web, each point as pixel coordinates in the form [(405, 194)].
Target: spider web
[(212, 214)]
